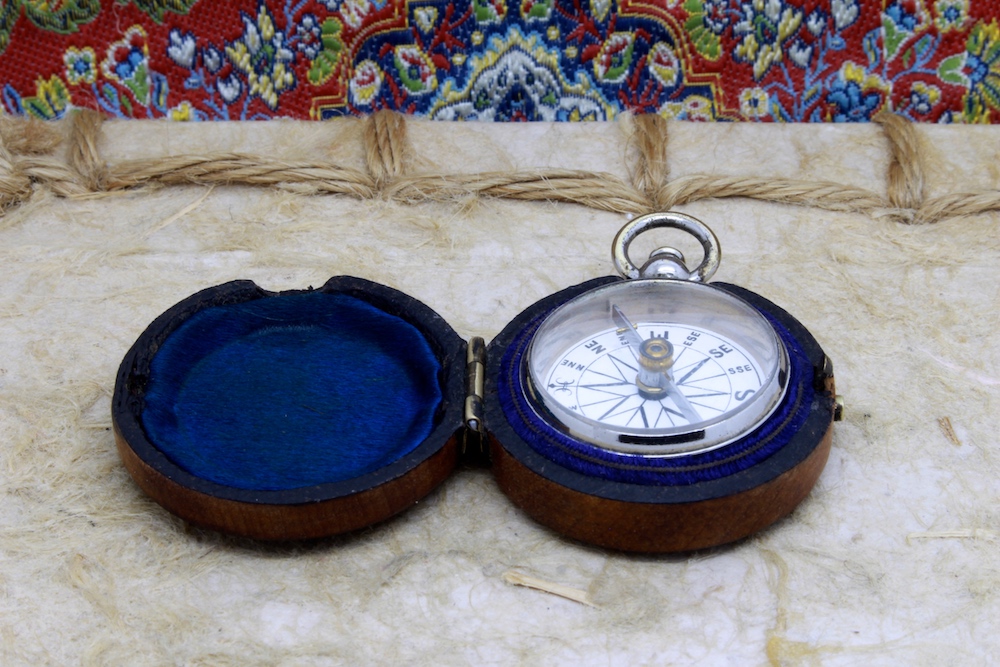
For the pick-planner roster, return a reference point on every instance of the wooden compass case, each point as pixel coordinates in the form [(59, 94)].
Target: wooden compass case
[(304, 414)]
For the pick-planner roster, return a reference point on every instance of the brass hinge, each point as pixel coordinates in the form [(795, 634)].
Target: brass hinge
[(475, 386), (475, 382)]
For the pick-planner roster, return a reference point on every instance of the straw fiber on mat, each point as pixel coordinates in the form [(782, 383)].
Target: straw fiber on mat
[(891, 560)]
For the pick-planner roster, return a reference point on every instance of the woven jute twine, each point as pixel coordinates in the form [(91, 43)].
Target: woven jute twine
[(31, 159)]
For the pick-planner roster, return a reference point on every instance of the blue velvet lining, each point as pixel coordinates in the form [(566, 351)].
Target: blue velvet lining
[(594, 461), (291, 391)]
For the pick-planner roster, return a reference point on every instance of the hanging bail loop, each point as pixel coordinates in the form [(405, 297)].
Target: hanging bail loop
[(667, 263)]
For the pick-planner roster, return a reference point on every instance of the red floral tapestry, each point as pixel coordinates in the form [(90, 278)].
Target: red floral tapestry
[(764, 60)]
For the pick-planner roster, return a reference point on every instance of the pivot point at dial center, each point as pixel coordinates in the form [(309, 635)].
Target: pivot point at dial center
[(656, 354)]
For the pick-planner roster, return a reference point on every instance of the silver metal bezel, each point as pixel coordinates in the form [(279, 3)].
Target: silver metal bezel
[(666, 442)]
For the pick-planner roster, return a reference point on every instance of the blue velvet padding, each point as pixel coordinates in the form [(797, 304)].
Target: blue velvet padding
[(291, 391), (588, 459)]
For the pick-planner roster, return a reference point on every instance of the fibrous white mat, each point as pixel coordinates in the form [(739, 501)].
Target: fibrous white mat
[(893, 558)]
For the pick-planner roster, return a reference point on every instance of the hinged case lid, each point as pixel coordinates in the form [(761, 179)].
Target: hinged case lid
[(292, 415)]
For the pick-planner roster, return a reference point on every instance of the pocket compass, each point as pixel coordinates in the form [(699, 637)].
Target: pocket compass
[(659, 364), (650, 411)]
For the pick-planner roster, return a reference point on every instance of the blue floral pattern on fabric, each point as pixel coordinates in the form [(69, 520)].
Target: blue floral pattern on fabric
[(505, 60)]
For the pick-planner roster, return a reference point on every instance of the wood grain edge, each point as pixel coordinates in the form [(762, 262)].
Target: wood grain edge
[(657, 527), (292, 521)]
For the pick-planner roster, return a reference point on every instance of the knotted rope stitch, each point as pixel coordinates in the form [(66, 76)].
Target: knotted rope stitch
[(650, 174), (27, 161), (905, 180), (386, 145)]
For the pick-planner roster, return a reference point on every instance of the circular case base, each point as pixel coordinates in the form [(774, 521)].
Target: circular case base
[(276, 521), (656, 527), (661, 518), (316, 509)]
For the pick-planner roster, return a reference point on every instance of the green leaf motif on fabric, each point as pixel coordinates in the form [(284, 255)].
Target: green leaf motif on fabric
[(893, 37), (9, 11), (157, 8), (490, 11), (416, 71), (139, 84), (111, 95), (536, 9), (923, 45), (950, 70), (326, 62), (615, 57), (127, 105), (706, 42), (50, 100), (67, 17)]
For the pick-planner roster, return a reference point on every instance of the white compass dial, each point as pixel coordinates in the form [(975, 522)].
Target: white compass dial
[(597, 378), (657, 367)]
